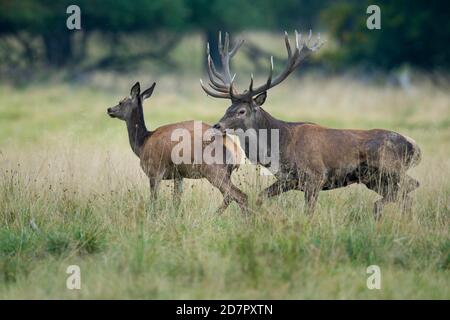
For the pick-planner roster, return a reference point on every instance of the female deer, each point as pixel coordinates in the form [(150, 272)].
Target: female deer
[(154, 149)]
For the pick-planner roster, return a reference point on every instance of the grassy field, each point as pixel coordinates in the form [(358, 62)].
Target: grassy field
[(68, 169)]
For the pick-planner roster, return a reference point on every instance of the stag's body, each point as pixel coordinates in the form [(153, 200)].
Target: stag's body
[(314, 158), (154, 149), (311, 157)]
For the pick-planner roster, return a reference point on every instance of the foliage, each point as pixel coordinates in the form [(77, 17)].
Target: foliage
[(45, 19), (412, 32)]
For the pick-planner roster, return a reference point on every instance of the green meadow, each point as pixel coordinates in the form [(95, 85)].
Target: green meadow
[(72, 193)]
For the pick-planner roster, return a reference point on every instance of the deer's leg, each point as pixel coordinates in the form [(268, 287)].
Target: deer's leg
[(312, 184), (408, 184), (231, 192), (222, 181), (155, 182), (387, 186), (276, 188), (177, 190), (226, 202), (378, 207), (311, 196)]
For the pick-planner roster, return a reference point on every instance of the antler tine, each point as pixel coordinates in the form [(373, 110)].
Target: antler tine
[(298, 40), (220, 45), (288, 45), (225, 57), (212, 93), (318, 43), (307, 50), (211, 63), (294, 58), (219, 89), (231, 90), (221, 82), (213, 72), (236, 47), (227, 88), (269, 79), (227, 43)]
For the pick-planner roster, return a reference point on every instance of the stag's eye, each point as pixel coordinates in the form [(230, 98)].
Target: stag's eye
[(241, 112)]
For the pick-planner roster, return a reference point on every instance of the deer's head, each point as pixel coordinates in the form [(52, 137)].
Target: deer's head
[(132, 104), (241, 114), (245, 106)]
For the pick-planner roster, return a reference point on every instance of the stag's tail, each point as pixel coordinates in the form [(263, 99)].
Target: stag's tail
[(415, 155)]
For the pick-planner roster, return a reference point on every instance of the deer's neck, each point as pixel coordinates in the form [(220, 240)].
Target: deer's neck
[(137, 131), (267, 121), (268, 136)]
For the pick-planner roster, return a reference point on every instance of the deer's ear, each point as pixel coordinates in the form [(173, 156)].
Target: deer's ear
[(260, 98), (135, 90), (147, 93)]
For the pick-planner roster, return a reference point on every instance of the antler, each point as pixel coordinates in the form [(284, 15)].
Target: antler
[(222, 83), (228, 90)]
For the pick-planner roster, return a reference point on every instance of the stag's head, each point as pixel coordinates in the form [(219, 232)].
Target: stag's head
[(132, 104), (245, 105)]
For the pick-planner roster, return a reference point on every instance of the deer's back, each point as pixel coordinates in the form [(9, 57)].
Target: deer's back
[(338, 149), (156, 155)]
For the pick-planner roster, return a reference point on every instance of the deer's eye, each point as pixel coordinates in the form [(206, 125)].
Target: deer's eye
[(241, 112)]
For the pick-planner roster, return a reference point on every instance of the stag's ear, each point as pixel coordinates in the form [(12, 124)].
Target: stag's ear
[(147, 93), (135, 90), (260, 98)]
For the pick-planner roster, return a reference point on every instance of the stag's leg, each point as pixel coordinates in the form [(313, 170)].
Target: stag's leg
[(312, 184), (378, 207), (226, 202), (155, 182), (276, 188), (177, 190), (386, 185), (230, 193), (311, 196), (408, 184), (220, 179)]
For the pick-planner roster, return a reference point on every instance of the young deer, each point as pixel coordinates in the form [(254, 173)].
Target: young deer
[(312, 157), (154, 151)]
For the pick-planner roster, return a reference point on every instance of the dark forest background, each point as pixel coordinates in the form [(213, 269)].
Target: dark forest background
[(33, 33)]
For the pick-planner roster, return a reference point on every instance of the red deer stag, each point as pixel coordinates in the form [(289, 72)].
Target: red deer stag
[(154, 151), (311, 157)]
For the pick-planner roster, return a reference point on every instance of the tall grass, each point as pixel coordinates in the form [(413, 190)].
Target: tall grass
[(72, 192)]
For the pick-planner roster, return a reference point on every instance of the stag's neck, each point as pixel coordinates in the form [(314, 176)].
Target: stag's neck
[(267, 124), (267, 121), (137, 131)]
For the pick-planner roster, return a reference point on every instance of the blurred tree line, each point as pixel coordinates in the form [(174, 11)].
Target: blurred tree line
[(413, 32)]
